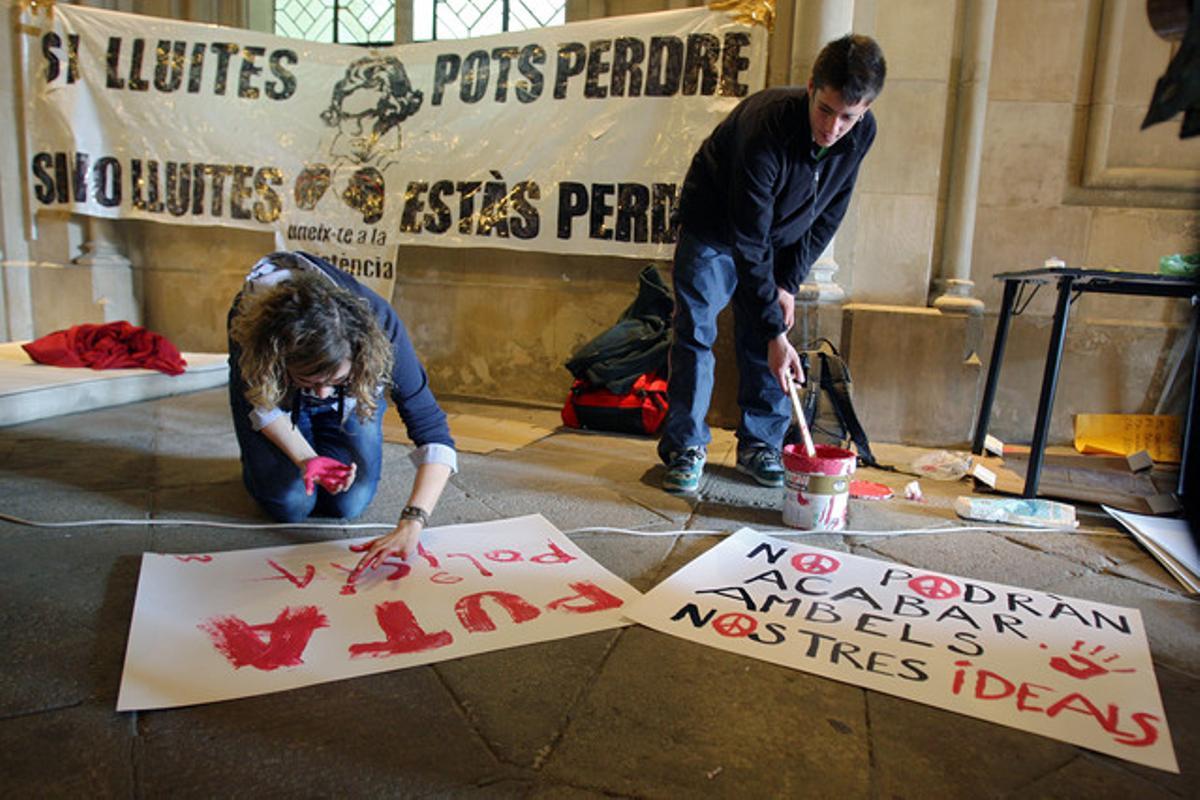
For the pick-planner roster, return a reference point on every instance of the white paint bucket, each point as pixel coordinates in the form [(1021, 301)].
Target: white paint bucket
[(816, 490)]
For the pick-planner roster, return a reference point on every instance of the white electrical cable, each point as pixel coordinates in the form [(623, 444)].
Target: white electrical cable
[(847, 532), (87, 523)]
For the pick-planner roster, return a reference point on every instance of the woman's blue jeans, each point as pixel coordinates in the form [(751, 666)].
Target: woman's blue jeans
[(278, 485), (706, 280)]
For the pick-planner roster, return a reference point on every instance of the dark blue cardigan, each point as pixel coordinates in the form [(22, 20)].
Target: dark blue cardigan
[(756, 186)]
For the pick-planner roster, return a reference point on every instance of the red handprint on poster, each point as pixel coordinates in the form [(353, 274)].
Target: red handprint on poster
[(1081, 666)]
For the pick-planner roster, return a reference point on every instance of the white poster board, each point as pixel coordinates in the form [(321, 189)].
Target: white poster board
[(217, 626), (1061, 667)]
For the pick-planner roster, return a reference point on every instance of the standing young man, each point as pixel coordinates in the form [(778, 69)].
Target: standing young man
[(763, 197)]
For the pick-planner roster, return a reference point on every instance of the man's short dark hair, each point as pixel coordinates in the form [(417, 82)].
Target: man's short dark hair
[(853, 66)]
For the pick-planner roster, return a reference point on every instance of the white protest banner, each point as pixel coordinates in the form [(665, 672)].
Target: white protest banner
[(568, 139), (216, 626), (1065, 668)]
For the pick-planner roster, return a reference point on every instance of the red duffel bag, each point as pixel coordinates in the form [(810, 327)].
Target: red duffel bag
[(641, 411)]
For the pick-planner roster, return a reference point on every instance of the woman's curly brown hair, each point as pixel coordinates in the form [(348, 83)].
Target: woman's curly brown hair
[(309, 325)]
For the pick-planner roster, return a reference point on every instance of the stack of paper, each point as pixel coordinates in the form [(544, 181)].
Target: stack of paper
[(1169, 540)]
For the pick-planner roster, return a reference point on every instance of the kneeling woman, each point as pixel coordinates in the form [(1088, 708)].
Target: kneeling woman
[(311, 353)]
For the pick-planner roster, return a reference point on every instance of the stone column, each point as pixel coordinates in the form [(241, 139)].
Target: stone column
[(404, 23), (111, 273), (816, 23), (16, 294), (580, 10), (17, 311), (979, 26)]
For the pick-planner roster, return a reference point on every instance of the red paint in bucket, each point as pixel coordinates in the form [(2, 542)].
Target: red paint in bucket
[(829, 460), (817, 488)]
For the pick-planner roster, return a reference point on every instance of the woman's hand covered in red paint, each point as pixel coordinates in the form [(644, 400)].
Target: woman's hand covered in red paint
[(332, 475), (402, 542)]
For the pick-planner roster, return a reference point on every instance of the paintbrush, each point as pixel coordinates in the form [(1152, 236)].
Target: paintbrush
[(809, 449)]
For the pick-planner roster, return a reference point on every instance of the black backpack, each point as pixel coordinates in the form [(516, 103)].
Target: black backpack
[(825, 397), (635, 346)]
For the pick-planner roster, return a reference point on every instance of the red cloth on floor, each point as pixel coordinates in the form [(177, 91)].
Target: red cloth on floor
[(114, 345)]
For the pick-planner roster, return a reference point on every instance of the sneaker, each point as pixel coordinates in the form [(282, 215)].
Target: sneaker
[(761, 463), (684, 470)]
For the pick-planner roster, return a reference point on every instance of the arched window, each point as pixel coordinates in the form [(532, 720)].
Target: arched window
[(373, 22), (366, 22), (462, 19)]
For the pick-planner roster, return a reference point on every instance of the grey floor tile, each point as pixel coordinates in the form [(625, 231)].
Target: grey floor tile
[(1181, 702), (195, 459), (198, 413), (68, 598), (520, 699), (635, 559), (983, 556), (35, 501), (1097, 552), (398, 734), (85, 750), (1093, 778), (1147, 569), (721, 726), (949, 755)]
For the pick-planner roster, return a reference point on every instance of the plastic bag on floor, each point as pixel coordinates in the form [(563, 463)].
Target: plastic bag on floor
[(942, 465)]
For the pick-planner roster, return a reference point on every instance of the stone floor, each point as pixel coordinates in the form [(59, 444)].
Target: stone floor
[(627, 713)]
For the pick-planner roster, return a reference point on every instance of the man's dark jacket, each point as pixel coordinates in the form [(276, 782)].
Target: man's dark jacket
[(757, 186)]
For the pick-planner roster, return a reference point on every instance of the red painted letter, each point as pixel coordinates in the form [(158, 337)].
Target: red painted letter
[(981, 681), (556, 556), (1145, 722), (476, 620), (309, 573), (284, 642), (596, 599), (1026, 692), (1108, 721), (402, 631), (484, 571)]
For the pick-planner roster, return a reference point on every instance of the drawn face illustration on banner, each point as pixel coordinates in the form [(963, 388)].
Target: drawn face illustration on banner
[(366, 108)]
